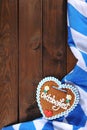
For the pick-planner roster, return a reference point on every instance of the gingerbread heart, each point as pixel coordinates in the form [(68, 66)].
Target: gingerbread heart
[(55, 99)]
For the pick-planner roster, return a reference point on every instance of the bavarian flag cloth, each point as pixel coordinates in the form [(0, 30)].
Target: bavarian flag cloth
[(77, 40)]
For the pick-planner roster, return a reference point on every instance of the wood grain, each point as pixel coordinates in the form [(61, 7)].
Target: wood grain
[(54, 38), (33, 44), (30, 58), (8, 62)]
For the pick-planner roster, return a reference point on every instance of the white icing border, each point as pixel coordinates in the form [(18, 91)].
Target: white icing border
[(69, 86)]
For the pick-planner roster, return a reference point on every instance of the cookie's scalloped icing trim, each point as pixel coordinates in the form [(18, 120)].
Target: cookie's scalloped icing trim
[(69, 86)]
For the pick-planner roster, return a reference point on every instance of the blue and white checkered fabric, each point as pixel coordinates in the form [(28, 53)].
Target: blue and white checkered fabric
[(77, 40)]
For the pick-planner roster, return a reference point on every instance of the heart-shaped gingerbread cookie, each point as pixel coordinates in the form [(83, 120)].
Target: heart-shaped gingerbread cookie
[(55, 99)]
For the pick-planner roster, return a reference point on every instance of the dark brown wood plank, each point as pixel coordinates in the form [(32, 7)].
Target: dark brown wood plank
[(54, 38), (30, 56), (8, 62)]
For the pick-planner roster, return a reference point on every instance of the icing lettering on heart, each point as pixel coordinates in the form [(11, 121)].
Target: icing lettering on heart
[(56, 104)]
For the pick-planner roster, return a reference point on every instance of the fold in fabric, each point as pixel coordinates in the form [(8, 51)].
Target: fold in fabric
[(77, 40)]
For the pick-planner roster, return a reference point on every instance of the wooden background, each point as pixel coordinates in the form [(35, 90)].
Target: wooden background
[(33, 44)]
